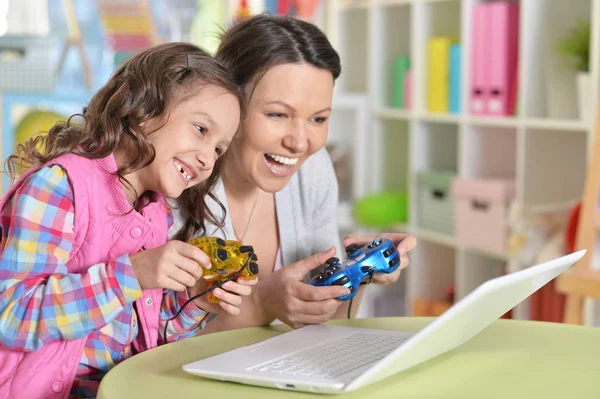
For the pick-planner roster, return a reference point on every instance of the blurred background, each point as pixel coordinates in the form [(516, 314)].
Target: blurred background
[(469, 124)]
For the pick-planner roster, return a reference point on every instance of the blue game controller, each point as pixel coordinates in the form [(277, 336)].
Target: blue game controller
[(379, 256)]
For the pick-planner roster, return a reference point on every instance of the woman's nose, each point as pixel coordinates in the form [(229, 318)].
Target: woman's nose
[(296, 140)]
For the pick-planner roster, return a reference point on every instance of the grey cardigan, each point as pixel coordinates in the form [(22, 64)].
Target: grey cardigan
[(306, 211)]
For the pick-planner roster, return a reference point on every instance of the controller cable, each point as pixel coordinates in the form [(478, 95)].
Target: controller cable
[(371, 272), (232, 277)]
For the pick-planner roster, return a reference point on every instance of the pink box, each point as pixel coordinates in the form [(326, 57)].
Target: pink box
[(503, 57), (481, 212), (479, 90)]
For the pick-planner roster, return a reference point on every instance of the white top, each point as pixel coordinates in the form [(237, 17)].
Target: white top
[(306, 211)]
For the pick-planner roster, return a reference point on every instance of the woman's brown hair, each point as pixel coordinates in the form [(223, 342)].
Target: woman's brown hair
[(144, 88), (264, 41)]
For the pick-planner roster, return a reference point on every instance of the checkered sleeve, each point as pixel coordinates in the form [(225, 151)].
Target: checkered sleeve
[(40, 301), (187, 323)]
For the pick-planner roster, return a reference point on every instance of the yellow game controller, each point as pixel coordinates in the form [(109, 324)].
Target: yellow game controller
[(229, 259)]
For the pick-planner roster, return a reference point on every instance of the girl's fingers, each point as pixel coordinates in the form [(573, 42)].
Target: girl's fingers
[(230, 309), (181, 276), (236, 288), (225, 296)]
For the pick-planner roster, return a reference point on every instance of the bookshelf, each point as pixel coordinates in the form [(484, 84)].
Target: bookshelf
[(543, 146)]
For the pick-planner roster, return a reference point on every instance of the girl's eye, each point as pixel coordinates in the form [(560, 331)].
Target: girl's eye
[(201, 129), (219, 151), (320, 119), (276, 115)]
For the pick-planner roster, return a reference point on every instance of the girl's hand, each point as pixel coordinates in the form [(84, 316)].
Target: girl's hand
[(175, 266), (229, 295), (403, 243), (286, 297)]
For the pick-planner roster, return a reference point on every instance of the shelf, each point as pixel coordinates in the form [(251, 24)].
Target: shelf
[(557, 124), (436, 1), (353, 4), (496, 121), (503, 256), (438, 117), (393, 113), (435, 237), (390, 3)]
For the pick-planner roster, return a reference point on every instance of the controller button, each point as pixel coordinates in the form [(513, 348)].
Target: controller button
[(377, 242), (341, 281), (253, 268), (254, 257), (351, 288), (318, 278), (333, 267), (366, 269), (389, 251), (329, 272), (221, 254), (395, 261), (246, 248), (221, 242), (350, 249), (332, 261)]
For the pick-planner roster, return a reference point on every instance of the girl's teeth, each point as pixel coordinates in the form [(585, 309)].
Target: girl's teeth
[(187, 177), (284, 160)]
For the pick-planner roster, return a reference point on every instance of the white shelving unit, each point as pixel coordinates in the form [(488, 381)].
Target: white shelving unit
[(544, 148)]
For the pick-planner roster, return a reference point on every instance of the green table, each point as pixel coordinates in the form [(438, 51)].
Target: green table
[(508, 360)]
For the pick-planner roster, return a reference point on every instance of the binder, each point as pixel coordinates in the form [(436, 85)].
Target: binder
[(401, 65), (479, 77), (437, 82), (271, 6), (408, 89), (455, 78), (504, 51)]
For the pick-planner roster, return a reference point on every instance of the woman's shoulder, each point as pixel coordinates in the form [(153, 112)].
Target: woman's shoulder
[(318, 166)]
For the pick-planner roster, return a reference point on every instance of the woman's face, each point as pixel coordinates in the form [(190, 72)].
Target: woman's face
[(288, 119)]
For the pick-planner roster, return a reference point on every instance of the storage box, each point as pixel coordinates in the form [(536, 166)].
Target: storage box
[(27, 63), (436, 204), (482, 212)]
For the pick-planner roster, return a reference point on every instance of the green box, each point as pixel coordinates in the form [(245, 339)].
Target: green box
[(435, 209)]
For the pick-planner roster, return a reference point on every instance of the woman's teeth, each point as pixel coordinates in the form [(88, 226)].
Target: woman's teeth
[(283, 160), (187, 177)]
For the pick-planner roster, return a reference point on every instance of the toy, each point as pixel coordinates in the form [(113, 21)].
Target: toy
[(230, 259), (379, 256)]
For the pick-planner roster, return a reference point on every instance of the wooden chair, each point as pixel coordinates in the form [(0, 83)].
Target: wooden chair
[(581, 281)]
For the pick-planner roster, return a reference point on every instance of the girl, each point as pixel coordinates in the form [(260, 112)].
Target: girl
[(278, 183), (86, 276)]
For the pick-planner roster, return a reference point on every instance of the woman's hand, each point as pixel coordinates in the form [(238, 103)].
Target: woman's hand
[(286, 297), (404, 244), (229, 294)]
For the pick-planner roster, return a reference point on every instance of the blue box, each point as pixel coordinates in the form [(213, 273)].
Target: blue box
[(455, 78)]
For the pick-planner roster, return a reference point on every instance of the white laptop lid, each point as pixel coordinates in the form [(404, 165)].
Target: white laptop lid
[(468, 317)]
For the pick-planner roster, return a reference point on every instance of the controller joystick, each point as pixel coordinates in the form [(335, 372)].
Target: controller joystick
[(378, 256), (227, 258)]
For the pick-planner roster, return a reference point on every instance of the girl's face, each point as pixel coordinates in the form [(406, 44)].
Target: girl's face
[(287, 122), (198, 131)]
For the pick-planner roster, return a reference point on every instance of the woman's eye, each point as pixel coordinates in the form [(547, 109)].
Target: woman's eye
[(276, 115), (201, 129), (219, 151), (320, 119)]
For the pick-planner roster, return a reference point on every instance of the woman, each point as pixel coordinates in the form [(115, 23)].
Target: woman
[(278, 183)]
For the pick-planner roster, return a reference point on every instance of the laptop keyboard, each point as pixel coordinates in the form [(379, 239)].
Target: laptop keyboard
[(335, 359)]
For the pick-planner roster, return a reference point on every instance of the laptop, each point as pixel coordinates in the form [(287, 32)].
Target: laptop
[(333, 359)]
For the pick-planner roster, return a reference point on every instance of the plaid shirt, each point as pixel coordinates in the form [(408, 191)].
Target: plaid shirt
[(40, 301)]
